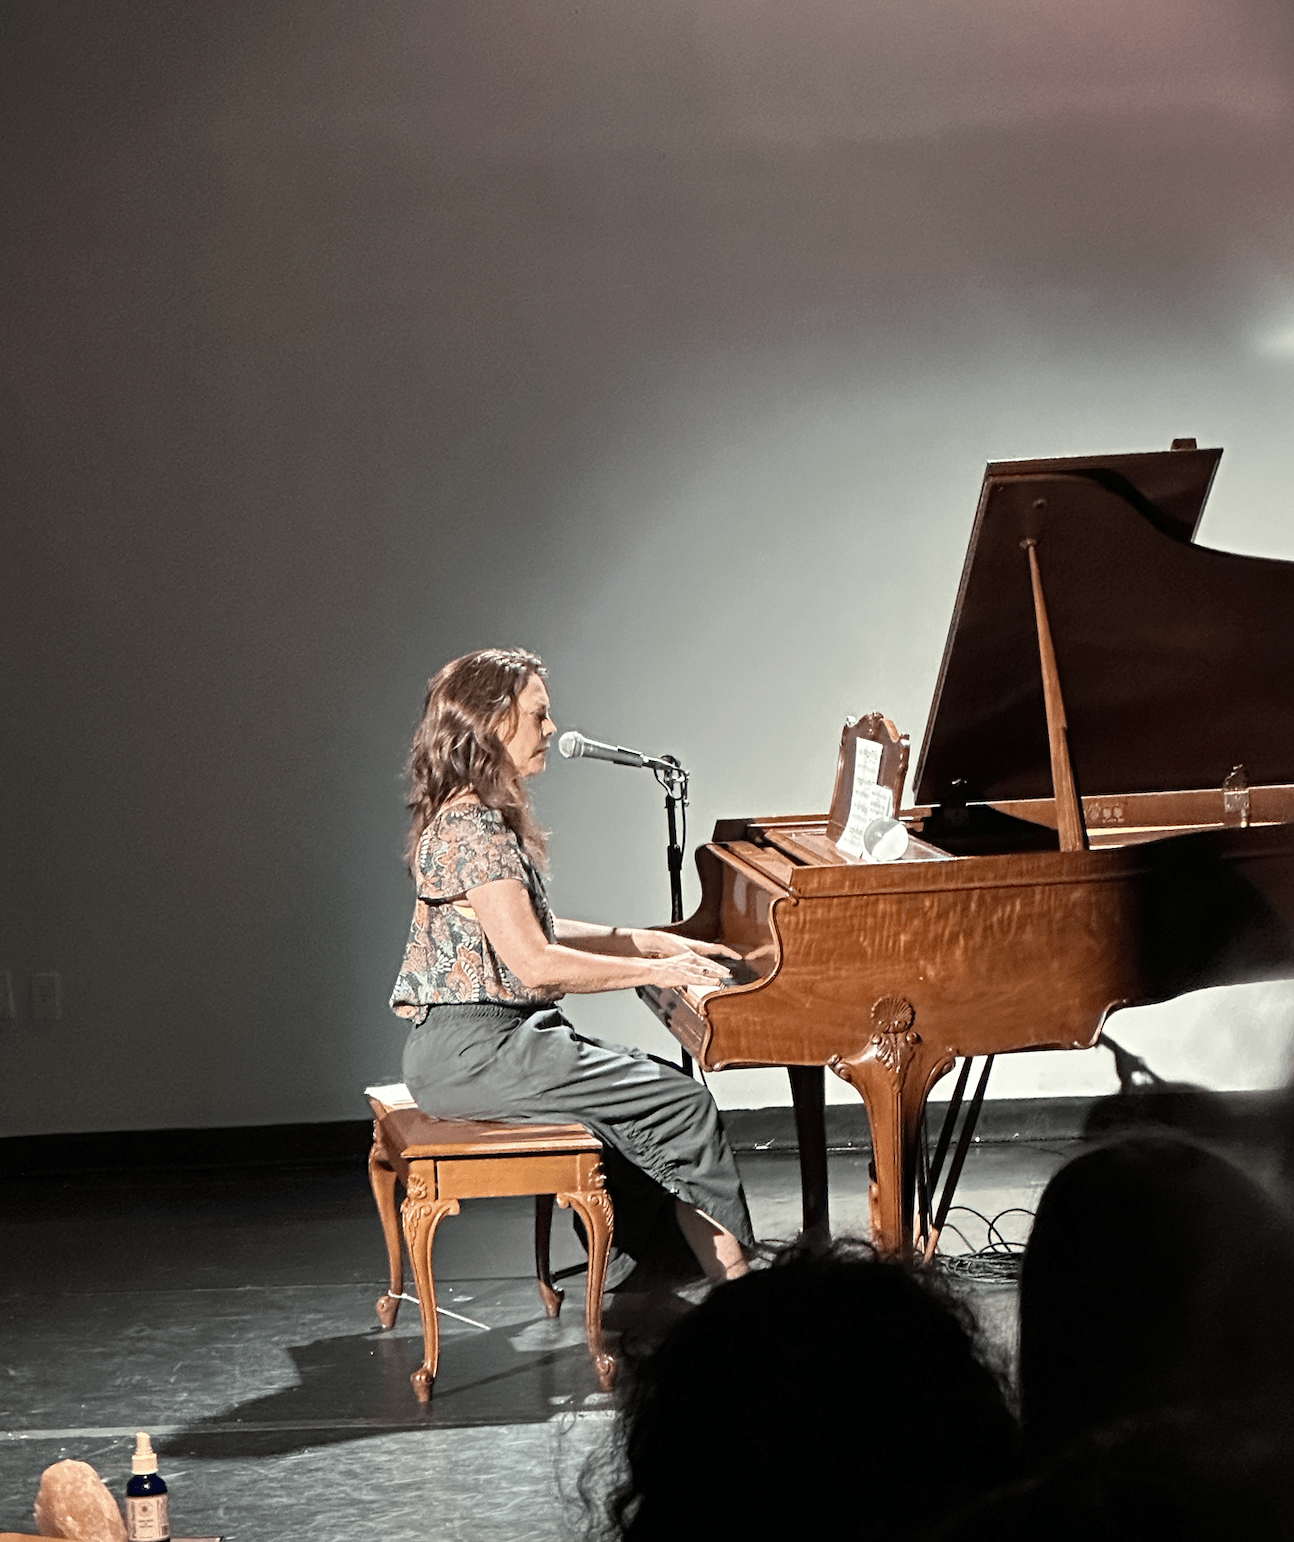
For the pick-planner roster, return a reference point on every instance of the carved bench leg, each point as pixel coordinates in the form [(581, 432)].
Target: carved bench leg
[(382, 1178), (548, 1292), (422, 1215), (593, 1206)]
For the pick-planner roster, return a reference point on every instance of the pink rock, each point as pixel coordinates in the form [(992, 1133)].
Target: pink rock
[(74, 1503)]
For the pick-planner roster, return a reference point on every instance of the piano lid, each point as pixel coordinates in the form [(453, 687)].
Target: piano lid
[(1176, 661)]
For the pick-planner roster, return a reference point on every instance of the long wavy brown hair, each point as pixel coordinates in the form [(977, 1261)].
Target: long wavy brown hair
[(457, 746)]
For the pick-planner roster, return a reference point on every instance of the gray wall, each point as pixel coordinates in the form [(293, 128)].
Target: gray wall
[(667, 338)]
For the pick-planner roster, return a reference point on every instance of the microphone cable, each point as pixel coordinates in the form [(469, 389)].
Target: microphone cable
[(997, 1261)]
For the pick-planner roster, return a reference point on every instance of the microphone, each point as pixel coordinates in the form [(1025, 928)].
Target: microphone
[(574, 746)]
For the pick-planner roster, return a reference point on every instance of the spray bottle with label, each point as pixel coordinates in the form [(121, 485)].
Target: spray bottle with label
[(147, 1502)]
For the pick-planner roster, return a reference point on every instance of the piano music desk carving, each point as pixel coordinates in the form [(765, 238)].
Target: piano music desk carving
[(1079, 841)]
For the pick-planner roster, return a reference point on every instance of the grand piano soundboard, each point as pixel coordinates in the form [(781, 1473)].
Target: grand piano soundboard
[(1102, 818)]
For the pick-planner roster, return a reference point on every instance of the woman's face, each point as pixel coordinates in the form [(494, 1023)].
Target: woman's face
[(527, 744)]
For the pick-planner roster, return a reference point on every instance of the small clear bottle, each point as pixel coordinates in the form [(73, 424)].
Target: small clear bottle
[(147, 1502)]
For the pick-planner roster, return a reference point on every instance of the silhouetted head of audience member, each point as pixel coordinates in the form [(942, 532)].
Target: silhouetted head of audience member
[(1172, 1473), (827, 1395), (1157, 1275), (1283, 1123)]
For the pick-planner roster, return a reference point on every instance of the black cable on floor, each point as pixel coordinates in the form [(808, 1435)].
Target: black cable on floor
[(997, 1261)]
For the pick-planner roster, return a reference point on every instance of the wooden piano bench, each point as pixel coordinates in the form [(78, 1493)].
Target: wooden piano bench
[(439, 1162)]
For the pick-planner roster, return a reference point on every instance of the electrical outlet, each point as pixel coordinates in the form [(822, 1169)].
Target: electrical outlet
[(46, 997), (6, 996)]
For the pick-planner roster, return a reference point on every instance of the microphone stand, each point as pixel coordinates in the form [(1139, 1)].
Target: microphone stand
[(674, 781), (673, 778)]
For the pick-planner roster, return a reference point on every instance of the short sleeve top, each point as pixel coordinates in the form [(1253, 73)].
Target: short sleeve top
[(448, 957)]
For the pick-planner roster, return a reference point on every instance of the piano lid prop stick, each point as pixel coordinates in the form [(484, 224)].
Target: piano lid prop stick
[(1069, 811)]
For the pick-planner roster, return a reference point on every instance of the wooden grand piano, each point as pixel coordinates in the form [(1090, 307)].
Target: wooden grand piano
[(1103, 813)]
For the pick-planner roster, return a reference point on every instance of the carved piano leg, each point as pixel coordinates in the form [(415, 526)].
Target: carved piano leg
[(894, 1075), (382, 1178), (423, 1213), (592, 1204), (809, 1097)]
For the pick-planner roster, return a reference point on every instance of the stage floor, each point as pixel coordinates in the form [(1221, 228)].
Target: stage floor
[(232, 1316)]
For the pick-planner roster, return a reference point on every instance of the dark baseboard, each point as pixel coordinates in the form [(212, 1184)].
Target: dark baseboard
[(1007, 1119), (337, 1143), (1254, 1117)]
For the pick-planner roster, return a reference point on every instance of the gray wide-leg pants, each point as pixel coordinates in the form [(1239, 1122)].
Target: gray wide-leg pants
[(480, 1061)]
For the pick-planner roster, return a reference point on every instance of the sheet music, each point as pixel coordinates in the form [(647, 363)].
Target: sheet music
[(869, 801), (392, 1094)]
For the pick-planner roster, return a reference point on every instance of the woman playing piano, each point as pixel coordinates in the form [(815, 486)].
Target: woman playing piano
[(487, 961)]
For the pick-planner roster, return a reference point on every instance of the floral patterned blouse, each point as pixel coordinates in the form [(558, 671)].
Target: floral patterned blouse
[(449, 957)]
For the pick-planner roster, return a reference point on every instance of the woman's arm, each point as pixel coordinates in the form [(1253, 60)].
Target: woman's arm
[(593, 937), (634, 941), (504, 910)]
